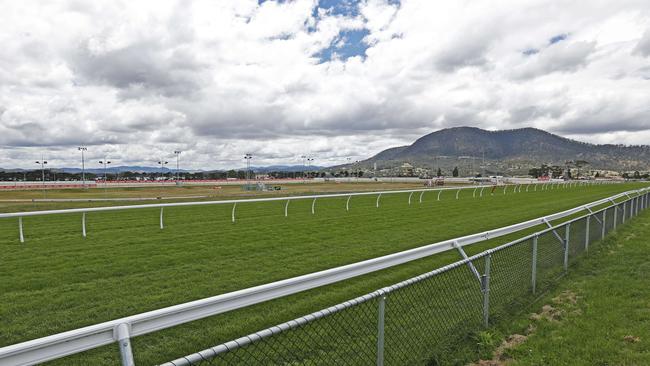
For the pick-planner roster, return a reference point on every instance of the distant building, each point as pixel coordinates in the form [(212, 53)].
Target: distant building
[(406, 169)]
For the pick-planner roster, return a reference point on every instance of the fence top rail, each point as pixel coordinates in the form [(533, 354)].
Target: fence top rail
[(223, 202), (81, 339)]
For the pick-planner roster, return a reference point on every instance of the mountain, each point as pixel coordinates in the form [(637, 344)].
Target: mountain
[(526, 147)]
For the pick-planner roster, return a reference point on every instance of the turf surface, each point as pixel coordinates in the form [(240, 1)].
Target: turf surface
[(58, 281)]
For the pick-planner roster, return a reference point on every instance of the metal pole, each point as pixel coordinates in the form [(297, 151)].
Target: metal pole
[(347, 204), (410, 195), (380, 331), (533, 280), (566, 247), (624, 212), (481, 194), (232, 214), (378, 197), (587, 233), (615, 215), (124, 341), (439, 192), (457, 192), (485, 282), (161, 218), (603, 229), (286, 208), (20, 229), (313, 205), (421, 194), (83, 224)]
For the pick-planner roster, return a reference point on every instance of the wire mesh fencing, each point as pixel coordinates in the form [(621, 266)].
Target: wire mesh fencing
[(418, 320)]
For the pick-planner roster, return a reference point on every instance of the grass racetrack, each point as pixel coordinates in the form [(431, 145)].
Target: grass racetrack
[(58, 281)]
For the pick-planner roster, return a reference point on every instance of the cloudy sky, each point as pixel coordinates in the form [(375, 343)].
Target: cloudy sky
[(136, 80)]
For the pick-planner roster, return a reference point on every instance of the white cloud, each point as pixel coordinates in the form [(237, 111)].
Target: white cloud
[(137, 80)]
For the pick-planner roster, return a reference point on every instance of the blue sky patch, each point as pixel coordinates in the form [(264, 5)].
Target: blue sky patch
[(558, 38), (347, 44), (530, 51)]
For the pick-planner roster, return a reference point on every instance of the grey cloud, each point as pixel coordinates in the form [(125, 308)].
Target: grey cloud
[(559, 57), (643, 47), (143, 68)]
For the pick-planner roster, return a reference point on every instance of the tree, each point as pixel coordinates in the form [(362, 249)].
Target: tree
[(454, 173), (439, 173), (637, 175), (360, 174)]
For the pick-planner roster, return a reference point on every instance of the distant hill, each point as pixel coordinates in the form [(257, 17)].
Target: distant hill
[(527, 146), (149, 169)]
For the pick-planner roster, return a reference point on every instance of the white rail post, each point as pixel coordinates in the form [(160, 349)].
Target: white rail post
[(380, 330), (615, 215), (457, 192), (485, 284), (603, 229), (587, 233), (124, 341), (378, 197), (313, 206), (162, 225), (232, 214), (421, 194), (519, 188), (410, 195), (286, 208), (505, 187), (83, 224), (566, 246), (474, 192), (439, 192), (347, 204), (20, 229), (527, 186), (481, 194), (535, 190), (624, 212), (533, 280)]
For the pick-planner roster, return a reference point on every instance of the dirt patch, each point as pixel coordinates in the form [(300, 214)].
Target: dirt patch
[(564, 302), (631, 339)]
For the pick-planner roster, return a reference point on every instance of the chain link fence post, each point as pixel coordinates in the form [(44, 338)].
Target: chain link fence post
[(602, 236), (485, 286), (566, 246), (380, 330), (587, 221), (533, 279)]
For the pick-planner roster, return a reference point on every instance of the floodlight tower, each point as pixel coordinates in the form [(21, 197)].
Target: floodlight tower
[(42, 163), (248, 158), (104, 163), (83, 165), (178, 156), (309, 160), (162, 164)]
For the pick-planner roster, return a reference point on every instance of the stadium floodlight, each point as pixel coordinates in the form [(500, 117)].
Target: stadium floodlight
[(309, 160), (162, 164), (83, 164), (42, 163), (248, 158), (178, 155), (105, 163)]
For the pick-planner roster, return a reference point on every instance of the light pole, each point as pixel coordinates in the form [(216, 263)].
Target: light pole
[(248, 158), (178, 157), (162, 164), (309, 160), (42, 163), (304, 166), (105, 163), (83, 165)]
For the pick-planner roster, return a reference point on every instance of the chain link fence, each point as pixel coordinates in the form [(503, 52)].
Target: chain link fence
[(416, 321)]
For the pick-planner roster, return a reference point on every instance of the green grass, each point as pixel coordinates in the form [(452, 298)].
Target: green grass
[(609, 324), (58, 281)]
